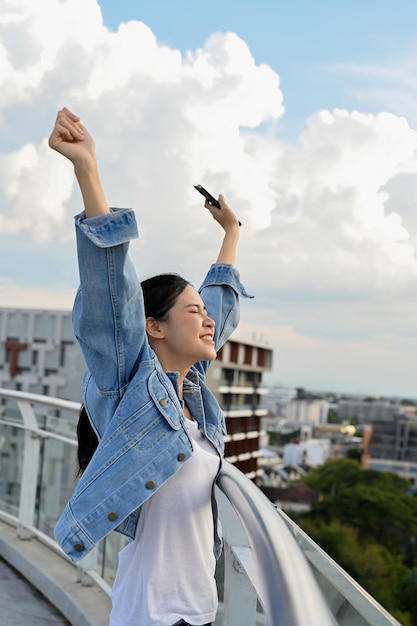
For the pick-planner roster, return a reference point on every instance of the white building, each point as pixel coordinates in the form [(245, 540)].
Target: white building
[(307, 411), (39, 353), (312, 452), (278, 400)]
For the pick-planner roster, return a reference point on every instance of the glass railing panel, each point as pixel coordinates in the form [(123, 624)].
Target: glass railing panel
[(11, 450), (58, 475), (108, 552)]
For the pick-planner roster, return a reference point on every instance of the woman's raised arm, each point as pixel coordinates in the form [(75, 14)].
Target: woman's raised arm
[(230, 224), (71, 139)]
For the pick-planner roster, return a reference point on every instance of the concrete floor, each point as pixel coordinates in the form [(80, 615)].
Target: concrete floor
[(23, 605), (39, 586)]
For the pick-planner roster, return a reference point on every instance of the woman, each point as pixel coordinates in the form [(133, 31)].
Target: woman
[(159, 428)]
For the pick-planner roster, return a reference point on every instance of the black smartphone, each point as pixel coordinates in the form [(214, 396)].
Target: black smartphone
[(210, 199)]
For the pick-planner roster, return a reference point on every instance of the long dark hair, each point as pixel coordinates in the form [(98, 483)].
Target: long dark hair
[(160, 293)]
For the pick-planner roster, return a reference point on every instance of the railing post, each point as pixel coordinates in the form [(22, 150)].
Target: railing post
[(240, 597), (30, 471)]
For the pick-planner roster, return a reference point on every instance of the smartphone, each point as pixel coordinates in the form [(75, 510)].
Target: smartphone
[(210, 199)]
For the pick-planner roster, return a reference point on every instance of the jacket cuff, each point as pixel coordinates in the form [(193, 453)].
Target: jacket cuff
[(114, 228), (224, 274)]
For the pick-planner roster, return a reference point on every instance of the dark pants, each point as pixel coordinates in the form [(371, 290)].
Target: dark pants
[(183, 623)]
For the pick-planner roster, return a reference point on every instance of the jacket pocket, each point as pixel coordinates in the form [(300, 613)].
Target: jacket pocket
[(165, 401)]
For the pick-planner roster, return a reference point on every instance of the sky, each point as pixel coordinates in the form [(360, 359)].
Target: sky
[(302, 114)]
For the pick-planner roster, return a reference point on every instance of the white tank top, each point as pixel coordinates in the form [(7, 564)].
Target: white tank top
[(167, 572)]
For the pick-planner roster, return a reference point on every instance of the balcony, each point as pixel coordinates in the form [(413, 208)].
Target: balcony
[(270, 573)]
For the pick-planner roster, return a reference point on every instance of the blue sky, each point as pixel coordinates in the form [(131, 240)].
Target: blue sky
[(302, 114), (318, 48)]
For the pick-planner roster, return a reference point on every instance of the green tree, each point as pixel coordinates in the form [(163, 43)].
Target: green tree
[(367, 522)]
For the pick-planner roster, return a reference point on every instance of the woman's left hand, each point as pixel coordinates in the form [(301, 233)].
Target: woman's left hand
[(224, 216)]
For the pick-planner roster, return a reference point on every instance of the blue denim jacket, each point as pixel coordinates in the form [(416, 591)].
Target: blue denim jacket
[(132, 403)]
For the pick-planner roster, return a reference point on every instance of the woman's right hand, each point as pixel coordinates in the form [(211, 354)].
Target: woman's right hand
[(71, 139)]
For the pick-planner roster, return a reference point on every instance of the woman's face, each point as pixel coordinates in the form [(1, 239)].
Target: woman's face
[(189, 331)]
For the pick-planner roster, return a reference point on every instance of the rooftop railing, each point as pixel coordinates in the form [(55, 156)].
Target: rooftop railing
[(271, 572)]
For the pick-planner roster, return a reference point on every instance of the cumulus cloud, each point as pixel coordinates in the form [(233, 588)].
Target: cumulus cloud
[(338, 219), (327, 219)]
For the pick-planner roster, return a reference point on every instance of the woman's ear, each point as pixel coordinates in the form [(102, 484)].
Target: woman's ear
[(154, 328)]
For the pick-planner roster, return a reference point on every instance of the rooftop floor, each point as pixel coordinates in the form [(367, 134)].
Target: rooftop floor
[(22, 604), (38, 586)]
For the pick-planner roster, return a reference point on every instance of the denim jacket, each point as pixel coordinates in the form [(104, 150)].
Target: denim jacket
[(133, 405)]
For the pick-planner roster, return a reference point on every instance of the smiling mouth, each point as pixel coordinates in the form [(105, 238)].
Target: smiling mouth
[(208, 338)]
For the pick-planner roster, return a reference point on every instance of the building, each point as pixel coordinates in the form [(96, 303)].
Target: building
[(395, 440), (39, 353), (278, 399), (309, 452), (236, 380), (307, 411), (367, 412)]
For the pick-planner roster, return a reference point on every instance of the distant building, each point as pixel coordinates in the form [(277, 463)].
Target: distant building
[(298, 498), (367, 412), (396, 440), (300, 411), (311, 452), (39, 353), (236, 379), (277, 400), (392, 447)]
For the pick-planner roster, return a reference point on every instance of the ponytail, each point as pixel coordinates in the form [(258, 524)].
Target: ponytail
[(87, 441)]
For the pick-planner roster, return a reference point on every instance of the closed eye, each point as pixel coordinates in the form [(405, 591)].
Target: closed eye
[(196, 308)]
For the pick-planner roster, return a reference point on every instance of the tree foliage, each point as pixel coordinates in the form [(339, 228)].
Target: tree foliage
[(367, 522)]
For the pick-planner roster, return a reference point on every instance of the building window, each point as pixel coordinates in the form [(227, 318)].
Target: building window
[(62, 349), (261, 357), (248, 355), (234, 351)]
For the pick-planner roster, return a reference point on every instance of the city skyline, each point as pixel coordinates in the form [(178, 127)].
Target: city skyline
[(304, 119)]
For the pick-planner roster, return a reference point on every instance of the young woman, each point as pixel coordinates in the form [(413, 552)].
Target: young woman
[(159, 429)]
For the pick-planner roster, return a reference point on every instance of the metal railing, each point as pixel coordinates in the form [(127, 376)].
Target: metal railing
[(286, 586), (267, 577)]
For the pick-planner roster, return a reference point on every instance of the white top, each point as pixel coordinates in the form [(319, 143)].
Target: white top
[(167, 572)]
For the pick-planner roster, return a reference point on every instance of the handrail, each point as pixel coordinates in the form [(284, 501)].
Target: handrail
[(290, 592), (264, 558), (35, 398)]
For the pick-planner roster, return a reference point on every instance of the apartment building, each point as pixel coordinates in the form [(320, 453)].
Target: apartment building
[(236, 379), (366, 412), (39, 354), (395, 440)]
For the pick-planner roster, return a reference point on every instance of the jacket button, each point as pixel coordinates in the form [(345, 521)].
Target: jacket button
[(112, 516), (164, 401), (150, 484), (181, 456), (79, 547)]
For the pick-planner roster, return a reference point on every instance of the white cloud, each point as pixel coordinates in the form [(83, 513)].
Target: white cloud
[(329, 217)]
